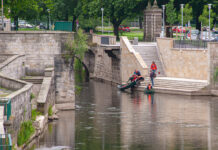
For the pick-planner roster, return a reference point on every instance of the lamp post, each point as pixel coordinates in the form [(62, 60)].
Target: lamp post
[(163, 6), (2, 16), (209, 6), (102, 20), (48, 19), (182, 6)]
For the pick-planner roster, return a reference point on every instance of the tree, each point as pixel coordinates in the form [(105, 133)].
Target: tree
[(204, 17), (25, 9), (187, 14), (117, 10), (170, 13)]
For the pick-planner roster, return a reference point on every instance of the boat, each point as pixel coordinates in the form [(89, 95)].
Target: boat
[(149, 91), (131, 85)]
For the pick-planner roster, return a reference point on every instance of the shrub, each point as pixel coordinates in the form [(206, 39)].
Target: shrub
[(34, 114), (50, 110), (25, 132)]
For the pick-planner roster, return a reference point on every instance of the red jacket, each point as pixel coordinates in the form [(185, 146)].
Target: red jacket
[(153, 67)]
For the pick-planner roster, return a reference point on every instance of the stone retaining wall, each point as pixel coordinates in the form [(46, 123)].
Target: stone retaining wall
[(183, 63), (20, 101), (97, 39), (46, 95), (13, 66), (39, 48), (130, 60)]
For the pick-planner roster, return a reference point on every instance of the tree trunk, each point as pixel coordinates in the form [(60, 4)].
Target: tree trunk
[(16, 22), (140, 22), (74, 23), (116, 30)]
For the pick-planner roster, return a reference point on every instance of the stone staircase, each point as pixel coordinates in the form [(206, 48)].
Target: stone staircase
[(149, 53), (176, 85)]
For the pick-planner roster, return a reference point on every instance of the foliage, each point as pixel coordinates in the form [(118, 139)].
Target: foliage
[(25, 132), (32, 96), (170, 13), (34, 114), (50, 112), (76, 47), (204, 17), (187, 14), (88, 23), (215, 76)]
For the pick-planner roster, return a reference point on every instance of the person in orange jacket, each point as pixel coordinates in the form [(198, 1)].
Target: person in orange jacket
[(153, 67)]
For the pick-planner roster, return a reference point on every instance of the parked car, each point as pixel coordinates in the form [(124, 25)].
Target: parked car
[(42, 26), (179, 29), (193, 34), (124, 28), (205, 36)]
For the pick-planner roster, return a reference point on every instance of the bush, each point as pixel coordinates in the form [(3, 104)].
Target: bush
[(25, 132), (34, 114), (50, 110)]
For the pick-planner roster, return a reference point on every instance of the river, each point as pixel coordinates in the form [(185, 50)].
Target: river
[(107, 119)]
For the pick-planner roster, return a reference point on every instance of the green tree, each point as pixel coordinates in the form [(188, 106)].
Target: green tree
[(187, 14), (204, 17), (171, 13), (117, 10)]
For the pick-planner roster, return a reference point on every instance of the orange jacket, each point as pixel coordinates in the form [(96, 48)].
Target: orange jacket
[(153, 67)]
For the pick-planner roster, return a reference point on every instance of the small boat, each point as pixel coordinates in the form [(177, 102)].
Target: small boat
[(149, 91), (132, 84)]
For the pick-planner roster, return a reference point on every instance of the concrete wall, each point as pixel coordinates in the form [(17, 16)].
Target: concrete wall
[(97, 39), (20, 101), (39, 48), (46, 95), (13, 66), (183, 63), (130, 60)]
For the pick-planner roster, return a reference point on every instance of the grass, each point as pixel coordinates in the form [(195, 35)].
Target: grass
[(50, 112), (25, 132), (130, 35), (34, 114)]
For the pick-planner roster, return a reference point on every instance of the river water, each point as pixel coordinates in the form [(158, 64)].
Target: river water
[(107, 119)]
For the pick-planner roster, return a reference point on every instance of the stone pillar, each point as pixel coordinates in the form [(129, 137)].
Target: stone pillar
[(152, 22)]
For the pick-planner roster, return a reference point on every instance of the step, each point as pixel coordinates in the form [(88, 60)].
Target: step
[(34, 79)]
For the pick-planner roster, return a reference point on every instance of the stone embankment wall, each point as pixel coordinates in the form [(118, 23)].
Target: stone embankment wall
[(13, 66), (39, 48), (183, 63), (46, 95), (20, 100), (130, 60)]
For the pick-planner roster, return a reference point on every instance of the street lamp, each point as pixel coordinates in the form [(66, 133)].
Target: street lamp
[(182, 6), (2, 16), (102, 19), (48, 19), (209, 6), (163, 6)]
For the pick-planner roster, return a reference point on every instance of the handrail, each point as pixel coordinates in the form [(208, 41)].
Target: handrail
[(7, 106), (7, 143)]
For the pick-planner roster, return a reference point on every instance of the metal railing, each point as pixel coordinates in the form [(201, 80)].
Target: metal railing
[(7, 107), (199, 44), (5, 142)]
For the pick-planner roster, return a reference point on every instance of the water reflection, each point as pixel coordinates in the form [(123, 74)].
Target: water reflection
[(111, 120)]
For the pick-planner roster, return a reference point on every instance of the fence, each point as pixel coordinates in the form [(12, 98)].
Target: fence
[(5, 142), (190, 44), (7, 106)]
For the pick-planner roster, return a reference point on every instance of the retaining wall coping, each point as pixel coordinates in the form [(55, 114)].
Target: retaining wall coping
[(27, 87), (189, 49), (9, 60), (34, 32), (165, 38), (104, 35), (15, 80)]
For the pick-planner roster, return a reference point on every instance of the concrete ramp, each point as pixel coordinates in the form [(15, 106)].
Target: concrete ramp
[(2, 131)]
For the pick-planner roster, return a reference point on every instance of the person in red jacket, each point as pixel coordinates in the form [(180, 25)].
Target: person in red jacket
[(153, 67)]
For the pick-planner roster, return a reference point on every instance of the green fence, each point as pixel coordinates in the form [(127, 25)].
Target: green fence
[(63, 26), (7, 106), (5, 142)]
